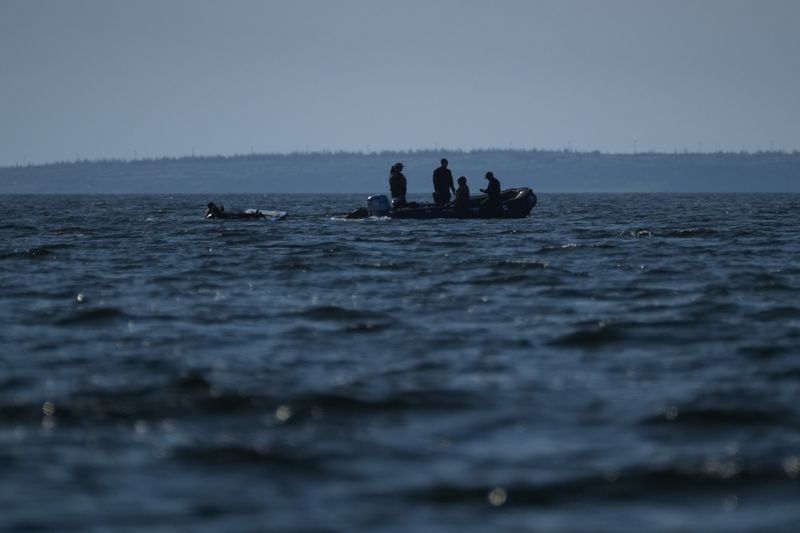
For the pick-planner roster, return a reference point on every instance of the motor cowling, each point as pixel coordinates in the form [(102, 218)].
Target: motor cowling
[(378, 205)]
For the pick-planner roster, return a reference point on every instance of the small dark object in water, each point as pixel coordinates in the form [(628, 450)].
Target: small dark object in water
[(246, 214), (218, 212)]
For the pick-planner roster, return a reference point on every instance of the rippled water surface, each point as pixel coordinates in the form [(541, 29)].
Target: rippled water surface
[(614, 362)]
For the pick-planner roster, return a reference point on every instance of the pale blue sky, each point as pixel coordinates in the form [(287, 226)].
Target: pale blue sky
[(150, 78)]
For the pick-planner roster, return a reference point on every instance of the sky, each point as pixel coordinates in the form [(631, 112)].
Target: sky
[(92, 79)]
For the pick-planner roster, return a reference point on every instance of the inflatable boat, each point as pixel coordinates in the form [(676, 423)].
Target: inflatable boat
[(514, 203)]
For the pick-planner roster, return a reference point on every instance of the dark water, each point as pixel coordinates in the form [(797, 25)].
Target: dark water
[(614, 363)]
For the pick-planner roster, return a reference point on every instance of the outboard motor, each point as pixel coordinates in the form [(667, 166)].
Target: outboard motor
[(378, 206)]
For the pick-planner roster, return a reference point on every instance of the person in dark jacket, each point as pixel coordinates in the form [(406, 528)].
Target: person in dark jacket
[(442, 184), (397, 185), (213, 211), (462, 195), (492, 190)]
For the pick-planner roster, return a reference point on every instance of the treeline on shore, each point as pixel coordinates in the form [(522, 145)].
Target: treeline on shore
[(330, 172)]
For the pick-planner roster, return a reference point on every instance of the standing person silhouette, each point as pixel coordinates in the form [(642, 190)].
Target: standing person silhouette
[(442, 184), (492, 190), (397, 185)]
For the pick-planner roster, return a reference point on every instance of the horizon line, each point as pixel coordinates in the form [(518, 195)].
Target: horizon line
[(442, 151)]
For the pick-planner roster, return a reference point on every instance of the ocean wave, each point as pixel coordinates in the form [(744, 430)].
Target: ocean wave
[(14, 383), (357, 402), (18, 228), (291, 265), (774, 286), (334, 312), (37, 252), (777, 313), (79, 231), (638, 232), (520, 264), (707, 418), (390, 264), (591, 335), (692, 232), (367, 327), (175, 399), (193, 394), (765, 351), (94, 316), (296, 459), (711, 476), (13, 413), (499, 279)]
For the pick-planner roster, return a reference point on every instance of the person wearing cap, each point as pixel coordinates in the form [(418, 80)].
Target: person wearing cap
[(492, 190), (462, 195), (442, 184), (397, 185)]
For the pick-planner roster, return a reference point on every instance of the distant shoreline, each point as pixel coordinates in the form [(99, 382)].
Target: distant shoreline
[(399, 153), (328, 172)]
